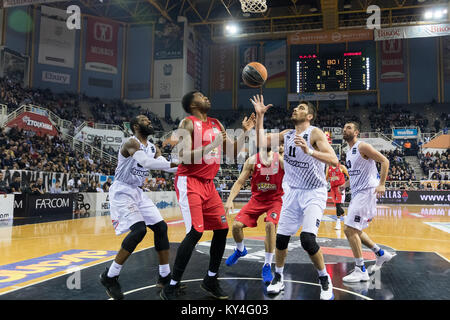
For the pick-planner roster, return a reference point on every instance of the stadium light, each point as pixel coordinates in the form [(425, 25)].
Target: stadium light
[(231, 29), (428, 15)]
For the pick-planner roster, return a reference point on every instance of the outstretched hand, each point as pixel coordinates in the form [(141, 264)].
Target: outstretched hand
[(258, 104), (249, 123)]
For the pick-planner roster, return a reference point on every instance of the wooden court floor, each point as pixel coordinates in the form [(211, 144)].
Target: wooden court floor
[(401, 227)]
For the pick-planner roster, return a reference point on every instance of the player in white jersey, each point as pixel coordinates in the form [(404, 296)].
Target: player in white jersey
[(366, 186), (306, 151), (131, 209)]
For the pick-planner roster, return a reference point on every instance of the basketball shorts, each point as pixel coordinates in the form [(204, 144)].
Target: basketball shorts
[(302, 208), (250, 213), (336, 195), (200, 204), (362, 209), (129, 205)]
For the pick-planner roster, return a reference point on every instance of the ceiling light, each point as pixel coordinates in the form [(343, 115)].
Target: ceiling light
[(428, 15), (231, 29)]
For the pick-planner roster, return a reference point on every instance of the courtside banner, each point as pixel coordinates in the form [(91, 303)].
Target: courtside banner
[(101, 45), (6, 207), (30, 121), (107, 137), (56, 41), (47, 204), (425, 31), (416, 197)]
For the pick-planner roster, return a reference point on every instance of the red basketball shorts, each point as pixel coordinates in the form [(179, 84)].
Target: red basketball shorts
[(250, 213), (336, 195), (200, 204)]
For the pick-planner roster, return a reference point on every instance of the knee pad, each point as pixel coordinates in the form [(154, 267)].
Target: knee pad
[(160, 235), (282, 241), (309, 244), (138, 232)]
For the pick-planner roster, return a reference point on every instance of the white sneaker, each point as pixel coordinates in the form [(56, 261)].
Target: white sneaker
[(357, 275), (380, 261), (276, 285), (338, 225), (326, 288)]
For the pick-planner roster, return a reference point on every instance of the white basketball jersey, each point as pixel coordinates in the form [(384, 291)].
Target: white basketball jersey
[(129, 171), (301, 171), (363, 173)]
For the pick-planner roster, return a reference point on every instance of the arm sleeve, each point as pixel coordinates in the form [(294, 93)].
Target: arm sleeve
[(150, 163), (170, 170)]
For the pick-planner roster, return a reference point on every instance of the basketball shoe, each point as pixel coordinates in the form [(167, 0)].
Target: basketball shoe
[(381, 259), (326, 288), (212, 286), (276, 285), (111, 285), (235, 256), (357, 275), (267, 273)]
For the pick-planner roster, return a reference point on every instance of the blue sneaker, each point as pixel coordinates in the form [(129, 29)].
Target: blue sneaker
[(235, 256), (267, 273)]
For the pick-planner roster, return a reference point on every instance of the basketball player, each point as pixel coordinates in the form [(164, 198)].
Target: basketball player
[(336, 175), (306, 151), (201, 206), (131, 209), (366, 186), (267, 172)]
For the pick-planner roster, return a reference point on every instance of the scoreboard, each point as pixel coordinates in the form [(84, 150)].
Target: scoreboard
[(348, 71)]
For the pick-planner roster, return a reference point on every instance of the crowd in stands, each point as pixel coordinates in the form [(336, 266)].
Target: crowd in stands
[(391, 116), (437, 163)]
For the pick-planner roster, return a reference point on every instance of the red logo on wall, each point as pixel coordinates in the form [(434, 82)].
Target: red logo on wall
[(34, 122)]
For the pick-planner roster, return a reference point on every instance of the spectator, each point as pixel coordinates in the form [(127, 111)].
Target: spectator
[(40, 185), (92, 187), (3, 185), (35, 190), (83, 185), (16, 184), (99, 187), (56, 189)]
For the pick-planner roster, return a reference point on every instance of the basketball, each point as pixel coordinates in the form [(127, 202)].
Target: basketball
[(254, 74)]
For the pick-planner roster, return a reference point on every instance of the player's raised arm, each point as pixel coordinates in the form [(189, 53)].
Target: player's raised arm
[(158, 156), (184, 135), (325, 152), (366, 150), (245, 174), (131, 148)]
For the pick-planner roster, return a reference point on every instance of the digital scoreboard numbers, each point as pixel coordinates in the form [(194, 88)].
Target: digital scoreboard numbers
[(347, 72)]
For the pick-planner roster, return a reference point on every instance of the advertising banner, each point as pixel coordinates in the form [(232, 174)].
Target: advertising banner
[(275, 62), (34, 122), (424, 197), (330, 36), (56, 41), (392, 60), (17, 3), (405, 132), (168, 78), (101, 45), (108, 137), (62, 78), (169, 40), (6, 207), (221, 70), (318, 96), (46, 204), (422, 31)]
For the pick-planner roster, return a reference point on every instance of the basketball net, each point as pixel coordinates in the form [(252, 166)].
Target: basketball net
[(253, 6)]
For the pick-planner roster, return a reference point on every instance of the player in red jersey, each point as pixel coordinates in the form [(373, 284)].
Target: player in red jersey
[(336, 177), (267, 172), (201, 140)]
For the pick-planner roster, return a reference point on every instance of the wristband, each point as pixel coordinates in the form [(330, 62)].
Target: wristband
[(310, 152)]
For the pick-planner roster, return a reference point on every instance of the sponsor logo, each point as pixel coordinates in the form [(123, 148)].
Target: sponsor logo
[(273, 215), (23, 271), (52, 203), (305, 136), (139, 173), (295, 163), (167, 69), (354, 172), (115, 223), (405, 196), (357, 219), (317, 223), (37, 124), (55, 77), (5, 216), (354, 150), (266, 186), (223, 219), (103, 32)]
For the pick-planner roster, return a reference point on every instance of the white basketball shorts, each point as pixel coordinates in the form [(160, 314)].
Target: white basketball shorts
[(129, 205), (302, 208), (362, 209)]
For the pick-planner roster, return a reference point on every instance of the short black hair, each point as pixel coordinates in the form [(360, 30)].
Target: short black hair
[(356, 124), (133, 122), (311, 108), (187, 100)]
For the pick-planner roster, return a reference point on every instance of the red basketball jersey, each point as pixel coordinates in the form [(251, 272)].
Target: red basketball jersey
[(267, 181), (336, 176), (204, 133)]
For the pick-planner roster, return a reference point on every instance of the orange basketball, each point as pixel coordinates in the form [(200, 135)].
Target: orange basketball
[(254, 74)]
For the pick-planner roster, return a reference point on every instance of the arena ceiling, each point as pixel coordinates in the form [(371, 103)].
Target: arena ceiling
[(210, 16)]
